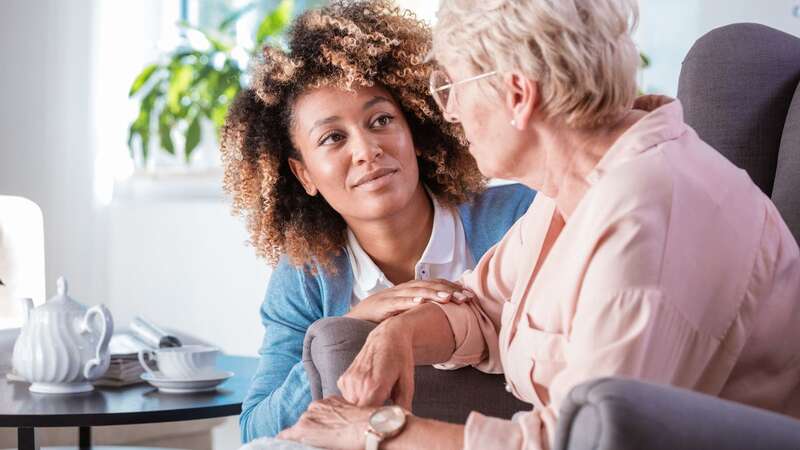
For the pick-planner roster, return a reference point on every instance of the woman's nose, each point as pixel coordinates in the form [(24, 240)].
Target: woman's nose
[(366, 151)]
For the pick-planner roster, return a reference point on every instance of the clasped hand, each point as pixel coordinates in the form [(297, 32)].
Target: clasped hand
[(395, 300)]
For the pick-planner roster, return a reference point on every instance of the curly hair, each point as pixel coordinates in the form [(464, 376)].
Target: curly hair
[(345, 45)]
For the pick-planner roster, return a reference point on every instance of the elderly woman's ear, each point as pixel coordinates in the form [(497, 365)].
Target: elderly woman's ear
[(522, 98)]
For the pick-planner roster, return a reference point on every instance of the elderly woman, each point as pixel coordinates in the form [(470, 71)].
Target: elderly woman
[(354, 185), (646, 254)]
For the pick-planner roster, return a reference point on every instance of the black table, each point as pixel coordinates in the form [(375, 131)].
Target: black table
[(141, 403)]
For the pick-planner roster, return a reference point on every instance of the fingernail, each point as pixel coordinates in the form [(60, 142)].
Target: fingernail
[(443, 294), (468, 293), (417, 299), (459, 296)]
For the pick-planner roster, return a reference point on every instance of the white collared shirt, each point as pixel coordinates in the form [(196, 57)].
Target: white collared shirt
[(446, 255)]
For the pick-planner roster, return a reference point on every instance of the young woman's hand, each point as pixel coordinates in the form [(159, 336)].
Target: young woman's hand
[(392, 301)]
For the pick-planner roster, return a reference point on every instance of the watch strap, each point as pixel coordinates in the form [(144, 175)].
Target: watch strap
[(372, 441)]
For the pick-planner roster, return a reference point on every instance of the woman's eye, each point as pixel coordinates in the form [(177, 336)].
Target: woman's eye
[(331, 138), (383, 120)]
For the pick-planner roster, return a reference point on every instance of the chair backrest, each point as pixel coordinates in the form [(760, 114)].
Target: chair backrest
[(740, 89)]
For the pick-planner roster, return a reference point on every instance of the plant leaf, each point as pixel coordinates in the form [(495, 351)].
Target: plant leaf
[(165, 123), (275, 22), (140, 127), (179, 80), (132, 133), (218, 115), (142, 78), (192, 136), (644, 61), (144, 139)]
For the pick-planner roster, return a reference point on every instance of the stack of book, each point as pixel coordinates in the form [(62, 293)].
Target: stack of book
[(125, 369)]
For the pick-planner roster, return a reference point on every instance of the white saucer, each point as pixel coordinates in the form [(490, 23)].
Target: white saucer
[(203, 383)]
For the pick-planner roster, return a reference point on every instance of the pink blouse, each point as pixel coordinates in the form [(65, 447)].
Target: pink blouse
[(673, 268)]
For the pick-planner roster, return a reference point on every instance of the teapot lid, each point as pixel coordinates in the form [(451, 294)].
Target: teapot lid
[(61, 296)]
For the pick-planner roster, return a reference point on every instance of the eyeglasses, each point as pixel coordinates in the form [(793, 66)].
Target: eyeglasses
[(443, 93)]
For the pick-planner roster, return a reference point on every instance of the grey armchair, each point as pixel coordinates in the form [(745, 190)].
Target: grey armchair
[(740, 89), (623, 414)]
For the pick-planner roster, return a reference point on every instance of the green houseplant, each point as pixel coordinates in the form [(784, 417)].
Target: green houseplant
[(196, 83)]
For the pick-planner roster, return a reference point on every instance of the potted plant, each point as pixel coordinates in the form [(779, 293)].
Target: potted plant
[(191, 88)]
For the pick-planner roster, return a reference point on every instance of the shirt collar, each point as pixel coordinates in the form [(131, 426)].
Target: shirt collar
[(365, 272), (441, 245), (440, 248), (664, 122)]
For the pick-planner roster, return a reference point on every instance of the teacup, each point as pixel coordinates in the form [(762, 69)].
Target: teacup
[(189, 361)]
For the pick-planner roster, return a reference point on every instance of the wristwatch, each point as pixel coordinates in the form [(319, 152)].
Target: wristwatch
[(385, 423)]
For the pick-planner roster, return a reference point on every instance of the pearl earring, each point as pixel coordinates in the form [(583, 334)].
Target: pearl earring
[(513, 123)]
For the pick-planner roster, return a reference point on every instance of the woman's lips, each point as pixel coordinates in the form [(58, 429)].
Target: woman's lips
[(379, 182)]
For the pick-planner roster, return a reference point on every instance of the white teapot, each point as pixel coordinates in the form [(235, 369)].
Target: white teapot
[(62, 347)]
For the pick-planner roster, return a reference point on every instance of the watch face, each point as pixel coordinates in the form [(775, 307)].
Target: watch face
[(387, 419)]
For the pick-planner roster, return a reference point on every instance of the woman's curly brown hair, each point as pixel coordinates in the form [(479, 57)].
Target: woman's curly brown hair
[(347, 44)]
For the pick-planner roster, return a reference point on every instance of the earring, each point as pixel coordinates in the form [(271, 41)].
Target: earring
[(513, 123)]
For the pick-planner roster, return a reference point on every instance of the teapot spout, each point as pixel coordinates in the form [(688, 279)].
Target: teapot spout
[(27, 306)]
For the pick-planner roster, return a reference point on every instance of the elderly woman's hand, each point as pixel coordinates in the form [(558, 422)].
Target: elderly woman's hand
[(390, 302), (330, 423), (383, 369)]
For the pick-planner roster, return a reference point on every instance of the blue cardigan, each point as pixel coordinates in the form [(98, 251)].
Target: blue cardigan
[(295, 299)]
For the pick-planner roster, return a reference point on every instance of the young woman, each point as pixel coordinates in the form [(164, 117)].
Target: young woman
[(352, 184)]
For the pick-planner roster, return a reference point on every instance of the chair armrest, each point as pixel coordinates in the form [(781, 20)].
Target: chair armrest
[(624, 414), (332, 343)]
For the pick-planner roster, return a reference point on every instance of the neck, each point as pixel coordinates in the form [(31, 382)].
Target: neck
[(567, 157), (396, 243)]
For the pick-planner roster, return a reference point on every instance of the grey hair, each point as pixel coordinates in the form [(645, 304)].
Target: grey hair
[(579, 51)]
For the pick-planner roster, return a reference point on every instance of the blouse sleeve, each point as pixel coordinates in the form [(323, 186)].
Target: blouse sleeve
[(476, 323)]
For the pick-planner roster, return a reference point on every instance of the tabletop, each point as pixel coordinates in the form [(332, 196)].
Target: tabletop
[(140, 403)]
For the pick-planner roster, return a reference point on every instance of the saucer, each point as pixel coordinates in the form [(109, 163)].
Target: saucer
[(204, 383)]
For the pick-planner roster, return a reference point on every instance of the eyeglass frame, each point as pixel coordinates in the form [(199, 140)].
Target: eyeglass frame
[(451, 85)]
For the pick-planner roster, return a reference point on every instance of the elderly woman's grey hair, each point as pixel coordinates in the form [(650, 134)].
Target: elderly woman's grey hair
[(580, 52)]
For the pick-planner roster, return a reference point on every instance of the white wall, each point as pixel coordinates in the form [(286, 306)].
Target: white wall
[(46, 153), (185, 265)]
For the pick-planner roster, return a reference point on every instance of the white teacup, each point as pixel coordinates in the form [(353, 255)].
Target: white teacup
[(189, 361)]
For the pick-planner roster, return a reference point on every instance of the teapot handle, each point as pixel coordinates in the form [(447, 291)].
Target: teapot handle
[(106, 330)]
